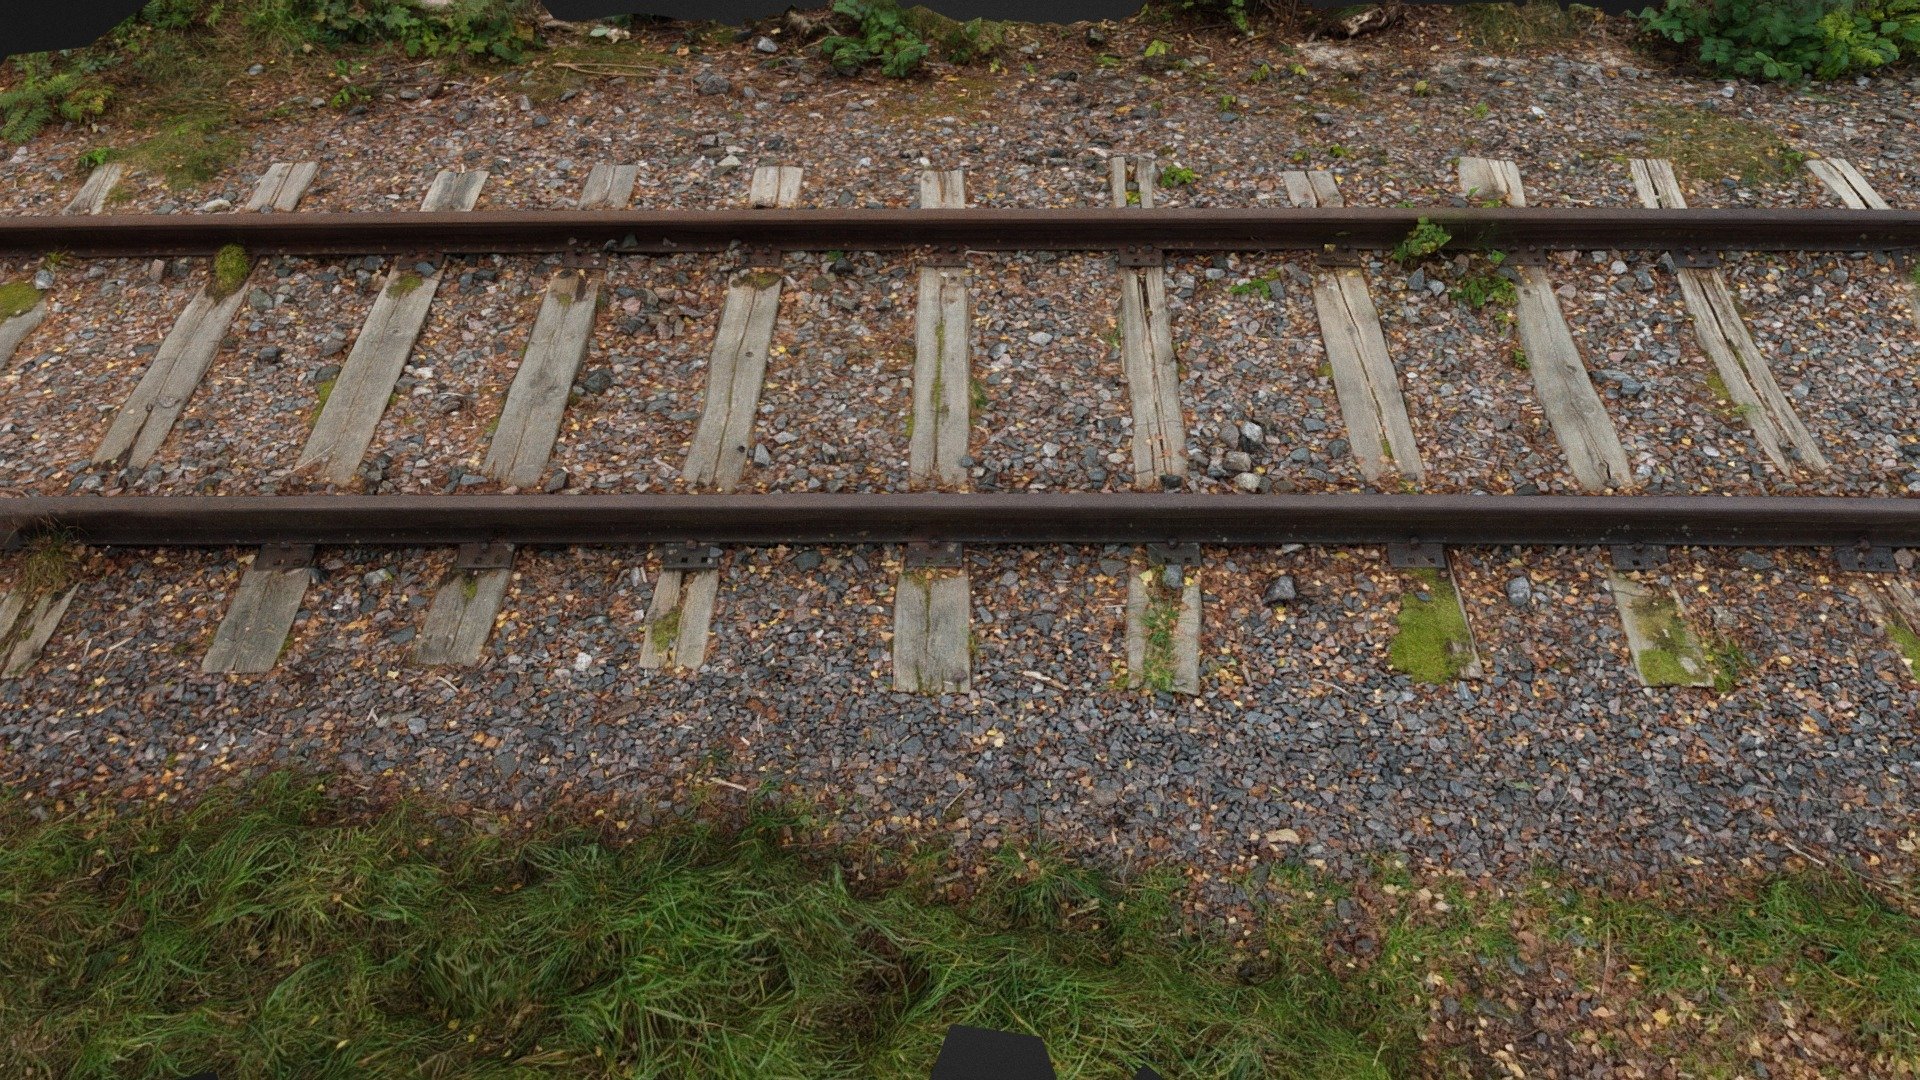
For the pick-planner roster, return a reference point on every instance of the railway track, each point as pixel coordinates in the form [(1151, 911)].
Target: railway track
[(1171, 529)]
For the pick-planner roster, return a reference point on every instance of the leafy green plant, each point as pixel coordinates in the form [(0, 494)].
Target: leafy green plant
[(1177, 176), (472, 28), (1791, 40), (973, 41), (879, 35), (40, 94), (1425, 239), (350, 92), (1479, 290)]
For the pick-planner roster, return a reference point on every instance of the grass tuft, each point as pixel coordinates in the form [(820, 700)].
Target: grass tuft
[(50, 564), (1905, 640), (189, 152), (1158, 662), (17, 298)]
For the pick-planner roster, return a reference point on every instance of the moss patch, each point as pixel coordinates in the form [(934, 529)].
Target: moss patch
[(665, 631), (404, 283), (321, 393), (230, 269), (1673, 656), (1905, 640), (1706, 145), (1432, 643), (17, 298)]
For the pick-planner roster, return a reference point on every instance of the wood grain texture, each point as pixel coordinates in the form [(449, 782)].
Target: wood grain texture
[(178, 366), (1364, 378), (27, 623), (347, 422), (1560, 379), (529, 422), (258, 620), (460, 617)]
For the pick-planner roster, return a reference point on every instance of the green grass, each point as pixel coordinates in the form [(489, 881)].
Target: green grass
[(17, 298), (267, 934), (277, 930), (1536, 25), (49, 564), (1707, 145), (1433, 643), (1158, 663), (1730, 662), (189, 152), (1839, 946)]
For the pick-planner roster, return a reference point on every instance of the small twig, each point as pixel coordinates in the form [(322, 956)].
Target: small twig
[(610, 69), (1037, 677)]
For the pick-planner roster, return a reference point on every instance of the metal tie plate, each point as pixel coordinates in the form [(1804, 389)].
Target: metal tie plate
[(1638, 556), (1417, 554), (932, 555), (687, 557), (475, 557), (1141, 255), (1173, 554), (1865, 558), (284, 557)]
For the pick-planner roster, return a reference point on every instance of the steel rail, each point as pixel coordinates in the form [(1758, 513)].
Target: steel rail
[(1049, 518), (656, 231)]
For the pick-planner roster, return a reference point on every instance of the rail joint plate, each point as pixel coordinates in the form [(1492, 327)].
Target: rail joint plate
[(1334, 257)]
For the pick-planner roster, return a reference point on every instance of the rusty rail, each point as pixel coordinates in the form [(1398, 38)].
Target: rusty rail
[(1048, 518), (655, 231)]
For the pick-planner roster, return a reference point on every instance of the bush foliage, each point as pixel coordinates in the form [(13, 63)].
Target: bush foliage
[(1791, 40), (877, 33)]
